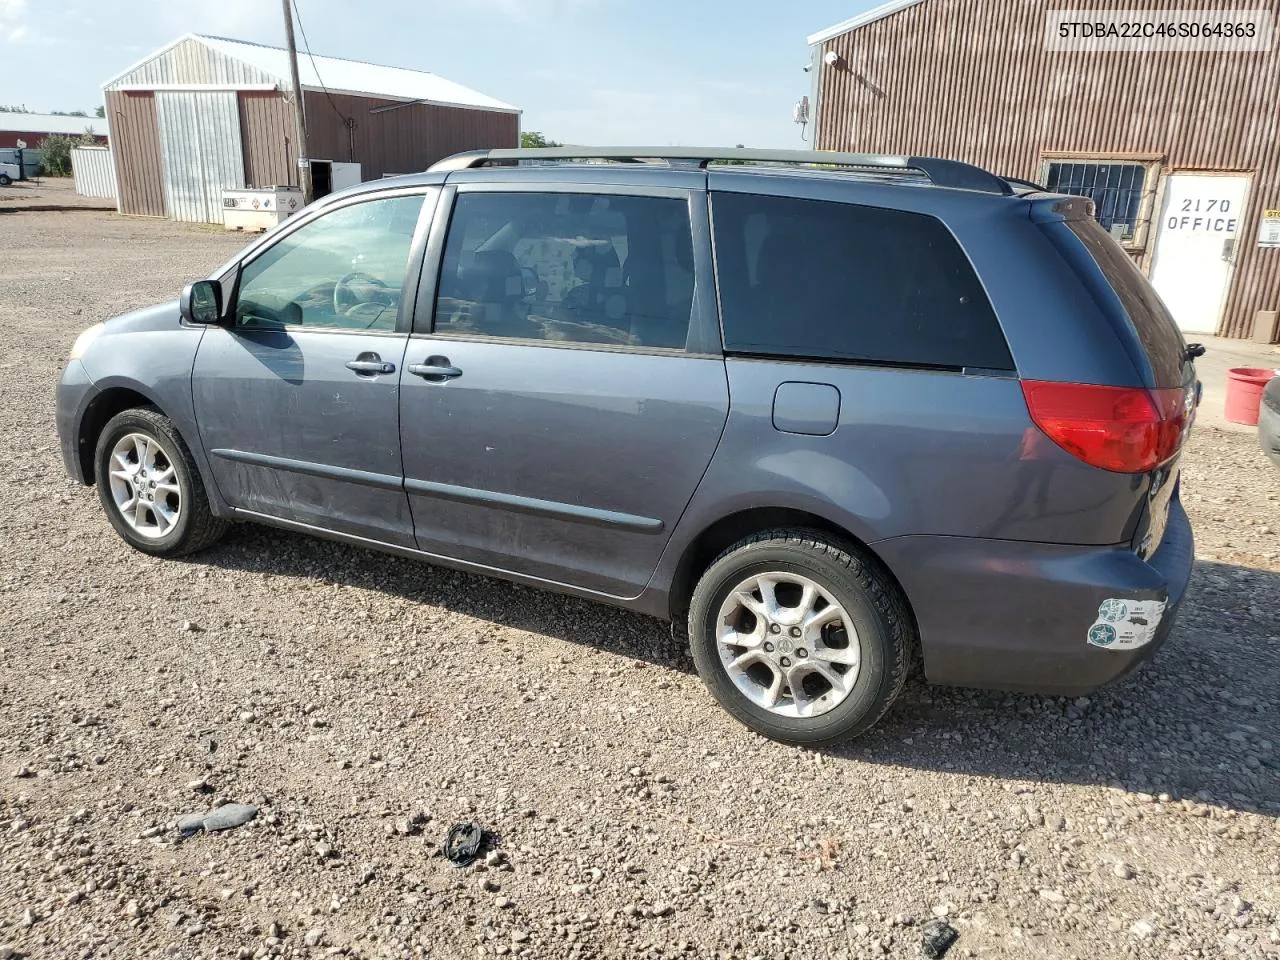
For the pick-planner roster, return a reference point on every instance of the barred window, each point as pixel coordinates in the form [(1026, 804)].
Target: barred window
[(1114, 188)]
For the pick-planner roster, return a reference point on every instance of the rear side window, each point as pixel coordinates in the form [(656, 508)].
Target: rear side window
[(568, 267), (836, 281), (1156, 329)]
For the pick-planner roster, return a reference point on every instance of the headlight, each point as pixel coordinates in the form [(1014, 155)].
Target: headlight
[(82, 342)]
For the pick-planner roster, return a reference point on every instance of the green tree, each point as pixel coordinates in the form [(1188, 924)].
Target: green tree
[(100, 111), (532, 139), (13, 108), (55, 152)]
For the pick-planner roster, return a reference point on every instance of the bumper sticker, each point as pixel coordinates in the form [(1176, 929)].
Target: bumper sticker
[(1125, 624)]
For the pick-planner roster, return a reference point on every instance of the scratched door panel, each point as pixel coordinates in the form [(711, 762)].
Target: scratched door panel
[(293, 433)]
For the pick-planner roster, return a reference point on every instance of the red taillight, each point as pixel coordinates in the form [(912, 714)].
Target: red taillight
[(1125, 429)]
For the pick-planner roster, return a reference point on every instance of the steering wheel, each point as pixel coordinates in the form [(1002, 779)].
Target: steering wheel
[(345, 299)]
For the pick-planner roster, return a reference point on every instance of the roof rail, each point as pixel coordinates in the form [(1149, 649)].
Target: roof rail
[(942, 173)]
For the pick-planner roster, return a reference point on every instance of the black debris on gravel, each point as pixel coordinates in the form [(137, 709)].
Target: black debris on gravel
[(462, 845), (939, 937)]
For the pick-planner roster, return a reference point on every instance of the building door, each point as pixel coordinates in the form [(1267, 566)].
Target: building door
[(1196, 243), (201, 151)]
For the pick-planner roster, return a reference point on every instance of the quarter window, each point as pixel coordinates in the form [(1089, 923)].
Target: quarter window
[(343, 270), (570, 267), (838, 281)]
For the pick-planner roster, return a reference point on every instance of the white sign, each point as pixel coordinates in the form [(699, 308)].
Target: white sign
[(1157, 31), (303, 163), (1269, 229), (1197, 231)]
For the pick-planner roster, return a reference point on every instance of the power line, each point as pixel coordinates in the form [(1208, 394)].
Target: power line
[(306, 45)]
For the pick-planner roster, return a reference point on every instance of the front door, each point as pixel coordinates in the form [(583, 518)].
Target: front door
[(557, 420), (1196, 240), (297, 399)]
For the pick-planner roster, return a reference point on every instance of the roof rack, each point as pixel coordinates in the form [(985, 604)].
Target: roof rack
[(942, 173)]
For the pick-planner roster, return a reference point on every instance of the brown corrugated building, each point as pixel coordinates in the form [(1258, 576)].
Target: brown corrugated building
[(207, 114), (1178, 149)]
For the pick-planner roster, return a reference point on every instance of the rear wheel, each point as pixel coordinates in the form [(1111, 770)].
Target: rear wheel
[(800, 637), (150, 488), (4, 180)]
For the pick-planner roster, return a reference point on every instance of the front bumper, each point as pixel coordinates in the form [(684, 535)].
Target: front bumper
[(1011, 615), (75, 393)]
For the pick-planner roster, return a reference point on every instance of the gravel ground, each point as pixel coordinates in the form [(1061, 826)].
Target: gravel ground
[(48, 193), (367, 702)]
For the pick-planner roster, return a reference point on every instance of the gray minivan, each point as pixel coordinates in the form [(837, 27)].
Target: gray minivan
[(833, 415)]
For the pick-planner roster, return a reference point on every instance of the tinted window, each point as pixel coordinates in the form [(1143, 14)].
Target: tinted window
[(808, 278), (579, 268), (342, 270), (1151, 320)]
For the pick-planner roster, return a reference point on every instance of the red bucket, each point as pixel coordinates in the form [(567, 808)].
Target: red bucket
[(1244, 393)]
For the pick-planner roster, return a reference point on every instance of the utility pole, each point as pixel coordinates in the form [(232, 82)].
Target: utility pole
[(299, 116)]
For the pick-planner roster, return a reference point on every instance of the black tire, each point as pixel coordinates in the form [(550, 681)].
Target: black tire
[(4, 180), (196, 527), (872, 602)]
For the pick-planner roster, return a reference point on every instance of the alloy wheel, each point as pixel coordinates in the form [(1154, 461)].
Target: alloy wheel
[(787, 644), (144, 485)]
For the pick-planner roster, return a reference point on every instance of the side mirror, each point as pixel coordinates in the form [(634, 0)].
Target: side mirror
[(201, 302)]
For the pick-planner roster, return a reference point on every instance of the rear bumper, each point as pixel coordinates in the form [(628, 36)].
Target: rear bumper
[(1011, 615)]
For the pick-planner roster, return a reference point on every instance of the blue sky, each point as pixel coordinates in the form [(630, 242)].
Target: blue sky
[(584, 71)]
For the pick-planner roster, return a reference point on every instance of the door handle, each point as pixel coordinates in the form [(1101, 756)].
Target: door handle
[(370, 363), (436, 369)]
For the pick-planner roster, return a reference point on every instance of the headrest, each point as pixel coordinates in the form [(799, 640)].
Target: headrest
[(494, 276)]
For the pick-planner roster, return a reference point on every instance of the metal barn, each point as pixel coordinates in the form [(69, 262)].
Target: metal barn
[(1180, 151), (207, 114)]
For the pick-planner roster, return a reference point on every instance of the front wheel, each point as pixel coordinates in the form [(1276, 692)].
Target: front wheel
[(4, 180), (150, 488), (800, 637)]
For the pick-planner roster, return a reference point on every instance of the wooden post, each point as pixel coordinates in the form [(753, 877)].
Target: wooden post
[(299, 116)]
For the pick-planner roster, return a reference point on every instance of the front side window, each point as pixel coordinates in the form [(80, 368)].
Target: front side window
[(839, 281), (569, 267), (1115, 189), (342, 270)]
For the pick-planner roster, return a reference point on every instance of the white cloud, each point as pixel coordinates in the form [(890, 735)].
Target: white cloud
[(12, 17)]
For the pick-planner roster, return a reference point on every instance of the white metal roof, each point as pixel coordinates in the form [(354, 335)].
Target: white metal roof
[(339, 75), (861, 20), (50, 123)]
